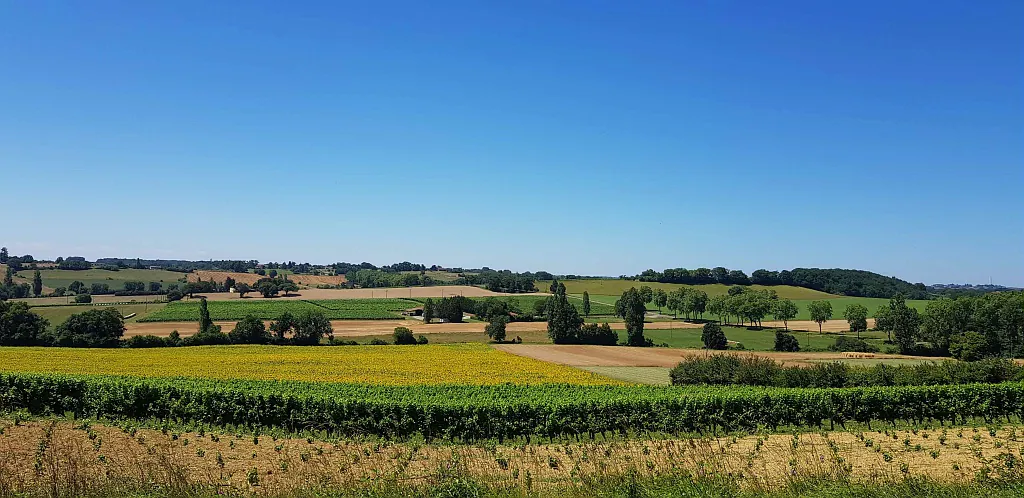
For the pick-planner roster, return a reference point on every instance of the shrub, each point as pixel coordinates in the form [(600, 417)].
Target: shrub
[(174, 295), (211, 337), (174, 338), (714, 369), (844, 343), (786, 342), (404, 336), (145, 341), (600, 335), (83, 298), (378, 342), (713, 337), (968, 346), (422, 340)]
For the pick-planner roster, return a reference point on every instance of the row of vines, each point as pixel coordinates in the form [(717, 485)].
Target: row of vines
[(501, 411)]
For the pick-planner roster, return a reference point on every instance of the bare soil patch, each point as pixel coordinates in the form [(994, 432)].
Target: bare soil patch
[(622, 356)]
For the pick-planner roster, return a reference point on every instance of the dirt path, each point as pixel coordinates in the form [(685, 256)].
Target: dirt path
[(621, 356)]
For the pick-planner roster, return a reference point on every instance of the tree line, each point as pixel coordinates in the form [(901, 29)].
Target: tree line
[(856, 283)]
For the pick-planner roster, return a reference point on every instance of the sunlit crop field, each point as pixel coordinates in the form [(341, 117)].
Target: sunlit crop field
[(382, 365)]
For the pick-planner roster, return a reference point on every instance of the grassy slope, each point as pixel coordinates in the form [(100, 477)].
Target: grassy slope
[(615, 287), (115, 279)]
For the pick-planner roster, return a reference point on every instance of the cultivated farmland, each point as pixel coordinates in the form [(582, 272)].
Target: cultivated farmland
[(267, 309), (114, 279), (615, 287)]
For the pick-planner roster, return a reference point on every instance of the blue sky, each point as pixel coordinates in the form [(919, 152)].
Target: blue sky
[(575, 137)]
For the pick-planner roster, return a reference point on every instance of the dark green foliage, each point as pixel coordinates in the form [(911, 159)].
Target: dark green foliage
[(205, 323), (19, 326), (713, 337), (249, 330), (632, 308), (786, 342), (37, 284), (592, 333), (378, 342), (282, 326), (146, 341), (97, 328), (586, 303), (428, 310), (470, 413), (310, 328), (83, 298), (403, 335), (844, 343), (564, 321), (722, 369), (821, 312), (968, 346), (422, 340), (905, 324), (496, 328), (213, 336), (450, 309), (173, 339)]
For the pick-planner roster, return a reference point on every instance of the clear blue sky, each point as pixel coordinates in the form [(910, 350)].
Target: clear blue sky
[(574, 137)]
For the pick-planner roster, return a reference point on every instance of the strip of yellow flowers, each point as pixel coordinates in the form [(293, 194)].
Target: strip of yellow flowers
[(382, 365)]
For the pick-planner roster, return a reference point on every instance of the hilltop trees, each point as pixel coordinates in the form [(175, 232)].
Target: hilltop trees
[(821, 312)]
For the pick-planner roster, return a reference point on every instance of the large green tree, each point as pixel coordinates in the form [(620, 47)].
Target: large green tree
[(311, 327), (906, 323), (660, 299), (632, 308), (205, 323), (496, 328), (821, 312), (564, 321), (784, 311), (856, 316), (249, 330), (713, 337), (428, 310), (586, 303), (19, 326), (97, 328)]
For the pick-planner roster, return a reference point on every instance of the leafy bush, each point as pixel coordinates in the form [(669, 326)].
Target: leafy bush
[(404, 336), (968, 346), (600, 335), (83, 298), (844, 344), (378, 342), (145, 341), (786, 342), (422, 340), (211, 337)]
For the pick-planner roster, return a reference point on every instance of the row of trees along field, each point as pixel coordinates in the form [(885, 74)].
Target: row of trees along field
[(857, 283), (496, 281)]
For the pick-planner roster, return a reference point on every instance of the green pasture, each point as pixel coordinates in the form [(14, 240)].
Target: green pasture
[(114, 279), (57, 315)]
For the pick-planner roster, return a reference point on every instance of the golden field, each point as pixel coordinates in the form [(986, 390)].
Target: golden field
[(381, 365)]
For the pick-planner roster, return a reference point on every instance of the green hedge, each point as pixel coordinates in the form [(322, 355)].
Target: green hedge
[(503, 411)]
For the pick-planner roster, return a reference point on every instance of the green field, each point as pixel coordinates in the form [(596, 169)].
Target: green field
[(753, 340), (336, 309), (59, 314), (839, 306), (115, 279), (615, 287)]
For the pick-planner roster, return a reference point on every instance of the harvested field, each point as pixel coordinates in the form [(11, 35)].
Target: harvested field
[(622, 356), (251, 278), (76, 453), (829, 326)]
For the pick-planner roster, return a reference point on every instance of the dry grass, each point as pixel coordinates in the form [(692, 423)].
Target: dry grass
[(64, 458)]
